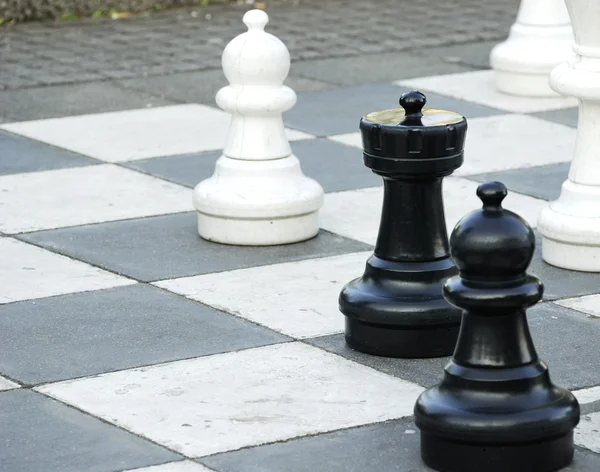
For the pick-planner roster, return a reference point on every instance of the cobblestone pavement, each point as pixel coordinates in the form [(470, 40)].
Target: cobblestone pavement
[(34, 54)]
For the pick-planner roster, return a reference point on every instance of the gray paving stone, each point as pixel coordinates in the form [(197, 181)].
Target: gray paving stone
[(311, 29), (371, 68), (572, 364), (471, 54), (565, 341), (392, 446), (335, 166), (75, 99), (568, 116), (561, 283), (584, 461), (385, 447), (425, 372), (115, 329), (202, 86), (543, 182), (41, 434), (184, 169), (305, 84), (592, 407), (165, 247), (19, 154), (339, 110)]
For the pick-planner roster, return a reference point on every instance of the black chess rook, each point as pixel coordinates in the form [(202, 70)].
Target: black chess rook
[(396, 309), (496, 409)]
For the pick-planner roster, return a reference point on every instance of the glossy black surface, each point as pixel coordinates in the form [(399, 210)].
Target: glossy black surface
[(496, 408), (396, 309)]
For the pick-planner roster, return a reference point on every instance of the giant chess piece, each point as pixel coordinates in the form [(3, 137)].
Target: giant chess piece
[(258, 194), (396, 308), (496, 409), (539, 40), (571, 225)]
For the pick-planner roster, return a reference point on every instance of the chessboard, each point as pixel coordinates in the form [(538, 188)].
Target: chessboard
[(128, 342)]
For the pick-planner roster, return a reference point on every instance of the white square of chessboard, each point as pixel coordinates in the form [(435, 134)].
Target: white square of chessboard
[(479, 87), (299, 299), (229, 401), (28, 272), (356, 213), (505, 142), (82, 195), (136, 134)]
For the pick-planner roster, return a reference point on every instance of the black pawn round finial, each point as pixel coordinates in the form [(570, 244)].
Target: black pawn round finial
[(413, 103), (492, 243), (492, 194)]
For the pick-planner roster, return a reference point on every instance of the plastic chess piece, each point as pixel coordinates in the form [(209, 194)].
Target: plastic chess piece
[(258, 194), (539, 40), (396, 309), (570, 226), (496, 409)]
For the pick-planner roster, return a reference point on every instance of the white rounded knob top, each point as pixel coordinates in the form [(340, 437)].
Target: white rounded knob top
[(256, 20), (256, 57)]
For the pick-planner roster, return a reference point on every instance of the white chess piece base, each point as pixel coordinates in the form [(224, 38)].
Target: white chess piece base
[(540, 39), (571, 228), (523, 62), (258, 203)]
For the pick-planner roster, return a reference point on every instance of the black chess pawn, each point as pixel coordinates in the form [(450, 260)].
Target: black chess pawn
[(396, 309), (496, 409)]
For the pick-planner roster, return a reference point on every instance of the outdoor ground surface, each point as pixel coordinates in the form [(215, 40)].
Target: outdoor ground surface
[(127, 342)]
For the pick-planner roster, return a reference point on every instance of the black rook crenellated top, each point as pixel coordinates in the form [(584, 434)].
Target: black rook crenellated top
[(413, 139)]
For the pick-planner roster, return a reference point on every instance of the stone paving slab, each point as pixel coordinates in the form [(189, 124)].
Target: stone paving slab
[(375, 67), (115, 329), (202, 86), (171, 354), (122, 247), (474, 54), (39, 433), (320, 159), (24, 155), (338, 111), (192, 39), (184, 349), (74, 99), (526, 180), (568, 116), (548, 322)]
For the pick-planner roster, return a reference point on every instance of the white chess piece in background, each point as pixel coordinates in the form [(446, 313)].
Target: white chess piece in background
[(258, 194), (539, 40), (571, 225)]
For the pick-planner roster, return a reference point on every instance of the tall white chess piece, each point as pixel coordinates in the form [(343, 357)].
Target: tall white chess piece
[(258, 194), (570, 226), (539, 40)]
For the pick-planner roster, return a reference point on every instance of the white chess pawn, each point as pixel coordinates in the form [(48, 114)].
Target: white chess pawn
[(258, 194), (539, 40), (570, 226)]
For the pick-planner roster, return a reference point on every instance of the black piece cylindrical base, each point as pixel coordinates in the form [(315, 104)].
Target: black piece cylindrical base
[(446, 455), (401, 341), (496, 419), (396, 309)]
